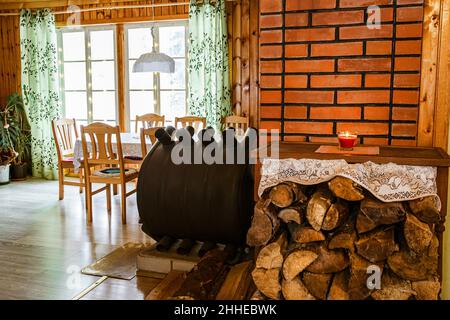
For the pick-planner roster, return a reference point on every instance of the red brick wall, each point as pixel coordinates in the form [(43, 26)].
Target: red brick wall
[(323, 71)]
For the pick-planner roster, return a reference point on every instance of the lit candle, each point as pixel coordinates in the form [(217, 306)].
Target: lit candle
[(347, 140)]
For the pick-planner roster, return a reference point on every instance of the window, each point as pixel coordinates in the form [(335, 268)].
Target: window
[(88, 74), (163, 93)]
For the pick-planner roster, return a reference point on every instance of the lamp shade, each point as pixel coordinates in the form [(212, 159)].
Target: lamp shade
[(154, 62)]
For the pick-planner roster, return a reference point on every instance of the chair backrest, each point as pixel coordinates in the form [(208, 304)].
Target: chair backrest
[(150, 133), (65, 134), (237, 122), (101, 137), (191, 121), (150, 120)]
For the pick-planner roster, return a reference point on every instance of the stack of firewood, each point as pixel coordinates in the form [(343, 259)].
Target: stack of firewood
[(326, 241)]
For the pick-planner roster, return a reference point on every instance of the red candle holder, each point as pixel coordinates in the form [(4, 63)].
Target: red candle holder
[(347, 140)]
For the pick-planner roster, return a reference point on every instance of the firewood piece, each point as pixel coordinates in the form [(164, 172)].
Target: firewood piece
[(377, 245), (317, 284), (295, 290), (271, 256), (427, 289), (236, 283), (433, 249), (417, 234), (426, 210), (258, 296), (343, 240), (339, 286), (264, 224), (410, 266), (285, 194), (393, 288), (302, 234), (335, 216), (201, 283), (357, 284), (318, 206), (296, 262), (346, 189), (378, 213), (168, 286), (328, 261), (267, 282), (291, 214)]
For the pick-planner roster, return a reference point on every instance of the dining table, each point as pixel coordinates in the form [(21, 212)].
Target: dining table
[(131, 147)]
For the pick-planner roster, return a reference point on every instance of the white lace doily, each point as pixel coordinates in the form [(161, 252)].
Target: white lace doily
[(387, 182)]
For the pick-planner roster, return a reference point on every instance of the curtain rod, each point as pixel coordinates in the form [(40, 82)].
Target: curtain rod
[(158, 5)]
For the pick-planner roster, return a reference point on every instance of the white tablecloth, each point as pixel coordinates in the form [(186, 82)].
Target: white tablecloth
[(131, 146)]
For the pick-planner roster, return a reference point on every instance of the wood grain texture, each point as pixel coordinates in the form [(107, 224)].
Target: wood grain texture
[(430, 48)]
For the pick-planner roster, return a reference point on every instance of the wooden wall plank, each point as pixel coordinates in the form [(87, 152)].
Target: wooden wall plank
[(237, 58), (254, 64), (121, 73), (430, 47), (441, 121)]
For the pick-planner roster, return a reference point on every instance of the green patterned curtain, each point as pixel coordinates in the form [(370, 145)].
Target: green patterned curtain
[(209, 78), (40, 87)]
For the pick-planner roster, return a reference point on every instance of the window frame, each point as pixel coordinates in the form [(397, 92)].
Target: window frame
[(88, 66), (156, 75)]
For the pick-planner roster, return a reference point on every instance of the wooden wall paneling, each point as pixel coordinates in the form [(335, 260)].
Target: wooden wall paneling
[(229, 11), (430, 47), (253, 113), (441, 119), (237, 58), (121, 74), (36, 4), (245, 57)]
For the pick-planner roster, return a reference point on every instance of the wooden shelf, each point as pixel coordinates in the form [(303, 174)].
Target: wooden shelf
[(400, 155)]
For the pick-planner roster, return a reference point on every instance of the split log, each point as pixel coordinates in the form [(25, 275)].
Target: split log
[(374, 213), (168, 286), (393, 288), (291, 214), (339, 286), (410, 266), (318, 206), (433, 249), (286, 193), (271, 256), (264, 224), (426, 210), (296, 262), (257, 295), (203, 282), (346, 189), (427, 289), (343, 240), (237, 282), (267, 282), (295, 290), (328, 261), (377, 245), (357, 285), (301, 234), (317, 284), (335, 216), (417, 234)]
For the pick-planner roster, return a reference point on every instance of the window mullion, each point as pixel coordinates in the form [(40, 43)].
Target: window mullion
[(89, 75), (157, 77), (62, 89)]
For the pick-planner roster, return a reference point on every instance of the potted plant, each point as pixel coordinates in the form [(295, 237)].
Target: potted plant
[(7, 152), (20, 134)]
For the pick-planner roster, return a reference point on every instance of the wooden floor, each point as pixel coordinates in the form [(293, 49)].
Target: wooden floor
[(45, 242)]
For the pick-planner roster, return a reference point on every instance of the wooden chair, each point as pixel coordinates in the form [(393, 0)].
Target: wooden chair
[(191, 121), (150, 120), (237, 122), (65, 134), (102, 154), (148, 133)]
